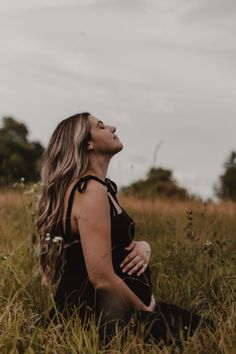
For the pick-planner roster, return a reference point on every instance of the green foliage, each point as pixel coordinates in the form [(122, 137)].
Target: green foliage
[(159, 183), (18, 156), (226, 188)]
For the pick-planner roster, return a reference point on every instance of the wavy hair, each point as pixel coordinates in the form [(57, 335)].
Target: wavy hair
[(64, 160)]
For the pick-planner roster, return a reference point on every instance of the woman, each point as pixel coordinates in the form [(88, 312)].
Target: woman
[(84, 237)]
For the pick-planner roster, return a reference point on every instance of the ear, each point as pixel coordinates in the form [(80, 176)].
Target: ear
[(90, 146)]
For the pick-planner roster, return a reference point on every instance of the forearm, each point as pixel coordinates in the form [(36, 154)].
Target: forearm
[(118, 295)]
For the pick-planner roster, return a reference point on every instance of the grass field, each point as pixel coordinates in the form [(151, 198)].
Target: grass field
[(193, 265)]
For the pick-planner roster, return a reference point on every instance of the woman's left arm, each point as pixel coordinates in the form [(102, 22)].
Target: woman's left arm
[(138, 258)]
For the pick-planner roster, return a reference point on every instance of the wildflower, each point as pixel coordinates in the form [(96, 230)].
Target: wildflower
[(48, 237), (57, 239), (208, 243)]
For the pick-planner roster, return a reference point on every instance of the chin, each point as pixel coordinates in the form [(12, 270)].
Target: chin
[(121, 146), (118, 149)]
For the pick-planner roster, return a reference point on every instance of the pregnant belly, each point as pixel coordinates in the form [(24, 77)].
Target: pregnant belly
[(141, 285)]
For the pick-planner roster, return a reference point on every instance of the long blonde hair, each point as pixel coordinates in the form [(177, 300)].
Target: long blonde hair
[(64, 160)]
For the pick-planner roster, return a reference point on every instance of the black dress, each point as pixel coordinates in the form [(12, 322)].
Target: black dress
[(76, 292)]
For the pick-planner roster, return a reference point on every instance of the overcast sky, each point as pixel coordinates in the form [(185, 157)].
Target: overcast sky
[(162, 71)]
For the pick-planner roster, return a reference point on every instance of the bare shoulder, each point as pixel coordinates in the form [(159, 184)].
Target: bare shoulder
[(92, 199)]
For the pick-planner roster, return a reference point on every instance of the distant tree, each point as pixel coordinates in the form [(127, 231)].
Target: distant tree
[(226, 187), (18, 156), (159, 183)]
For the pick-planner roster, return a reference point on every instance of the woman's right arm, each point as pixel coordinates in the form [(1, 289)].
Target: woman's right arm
[(92, 213)]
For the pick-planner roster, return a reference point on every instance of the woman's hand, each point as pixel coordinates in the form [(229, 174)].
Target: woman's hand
[(137, 260)]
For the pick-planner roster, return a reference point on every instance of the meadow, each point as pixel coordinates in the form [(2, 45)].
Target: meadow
[(193, 264)]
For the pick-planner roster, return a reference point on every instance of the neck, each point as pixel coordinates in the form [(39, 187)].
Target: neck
[(98, 166)]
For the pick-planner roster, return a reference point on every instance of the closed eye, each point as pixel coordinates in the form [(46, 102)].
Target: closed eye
[(100, 124)]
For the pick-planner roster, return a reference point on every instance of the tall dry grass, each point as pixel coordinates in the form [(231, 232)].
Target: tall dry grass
[(192, 263)]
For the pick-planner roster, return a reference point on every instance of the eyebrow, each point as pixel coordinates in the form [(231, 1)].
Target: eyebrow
[(100, 121)]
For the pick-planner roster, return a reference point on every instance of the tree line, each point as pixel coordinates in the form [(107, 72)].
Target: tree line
[(21, 158)]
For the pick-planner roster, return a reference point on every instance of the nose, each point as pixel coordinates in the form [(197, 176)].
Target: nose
[(113, 129)]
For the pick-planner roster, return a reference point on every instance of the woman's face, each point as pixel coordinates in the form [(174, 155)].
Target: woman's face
[(103, 137)]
